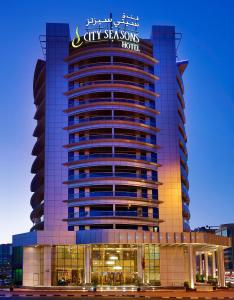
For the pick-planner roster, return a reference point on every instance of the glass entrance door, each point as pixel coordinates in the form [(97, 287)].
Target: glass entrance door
[(114, 264)]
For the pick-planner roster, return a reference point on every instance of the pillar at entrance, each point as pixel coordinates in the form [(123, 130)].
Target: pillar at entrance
[(213, 265), (191, 266), (47, 265), (87, 253), (200, 264), (139, 262), (206, 266), (221, 272)]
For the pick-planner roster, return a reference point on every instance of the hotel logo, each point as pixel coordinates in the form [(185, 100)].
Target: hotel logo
[(124, 31), (76, 43)]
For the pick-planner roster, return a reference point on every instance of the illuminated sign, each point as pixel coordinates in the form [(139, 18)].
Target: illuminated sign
[(76, 41), (124, 31)]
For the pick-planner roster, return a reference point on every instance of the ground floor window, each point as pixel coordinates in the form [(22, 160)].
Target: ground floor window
[(114, 264), (68, 265), (105, 264), (151, 265)]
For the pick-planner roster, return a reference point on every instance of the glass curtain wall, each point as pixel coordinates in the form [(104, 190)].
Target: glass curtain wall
[(110, 264), (68, 265)]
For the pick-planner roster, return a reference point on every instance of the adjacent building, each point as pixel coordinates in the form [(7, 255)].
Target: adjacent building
[(110, 198), (5, 264), (228, 231)]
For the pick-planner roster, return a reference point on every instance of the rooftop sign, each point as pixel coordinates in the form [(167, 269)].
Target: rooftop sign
[(124, 31)]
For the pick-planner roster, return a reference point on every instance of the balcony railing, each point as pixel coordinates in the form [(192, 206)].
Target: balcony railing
[(183, 156), (90, 101), (115, 136), (183, 172), (110, 174), (96, 213), (114, 81), (87, 65), (110, 118), (185, 191), (110, 194), (111, 155)]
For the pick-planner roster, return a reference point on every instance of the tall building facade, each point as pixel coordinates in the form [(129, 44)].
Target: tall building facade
[(110, 199)]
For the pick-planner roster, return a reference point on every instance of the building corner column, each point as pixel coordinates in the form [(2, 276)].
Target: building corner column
[(191, 266), (221, 271)]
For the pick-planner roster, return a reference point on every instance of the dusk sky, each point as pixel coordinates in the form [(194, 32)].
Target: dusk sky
[(207, 29)]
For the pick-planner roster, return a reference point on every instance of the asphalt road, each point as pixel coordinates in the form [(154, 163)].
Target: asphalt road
[(116, 298)]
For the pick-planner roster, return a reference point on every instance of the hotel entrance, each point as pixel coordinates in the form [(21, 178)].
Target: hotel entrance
[(105, 264), (114, 265)]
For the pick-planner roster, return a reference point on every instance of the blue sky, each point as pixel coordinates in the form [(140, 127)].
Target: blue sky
[(208, 30)]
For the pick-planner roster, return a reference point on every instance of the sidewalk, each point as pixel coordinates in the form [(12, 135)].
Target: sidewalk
[(166, 294)]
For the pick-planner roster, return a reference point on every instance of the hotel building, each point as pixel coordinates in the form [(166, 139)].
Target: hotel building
[(110, 200)]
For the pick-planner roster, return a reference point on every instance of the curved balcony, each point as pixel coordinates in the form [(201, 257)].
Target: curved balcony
[(184, 178), (113, 50), (105, 105), (39, 145), (111, 175), (183, 157), (38, 163), (125, 179), (38, 226), (39, 75), (103, 194), (181, 114), (186, 212), (106, 213), (40, 127), (115, 102), (184, 172), (76, 200), (120, 137), (100, 86), (180, 84), (115, 81), (37, 197), (102, 156), (115, 122), (114, 217), (113, 118), (185, 194), (181, 99), (124, 65), (184, 165), (39, 94), (186, 226), (37, 181), (182, 131), (108, 68), (40, 112), (182, 145), (37, 212), (102, 143)]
